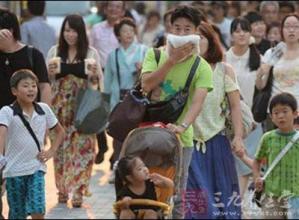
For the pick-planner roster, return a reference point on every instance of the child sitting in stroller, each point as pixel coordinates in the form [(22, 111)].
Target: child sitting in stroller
[(138, 183)]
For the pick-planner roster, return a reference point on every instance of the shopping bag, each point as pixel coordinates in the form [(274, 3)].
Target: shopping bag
[(92, 111), (127, 114)]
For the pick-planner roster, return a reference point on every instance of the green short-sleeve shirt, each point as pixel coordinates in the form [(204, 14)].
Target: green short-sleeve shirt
[(285, 176), (176, 79)]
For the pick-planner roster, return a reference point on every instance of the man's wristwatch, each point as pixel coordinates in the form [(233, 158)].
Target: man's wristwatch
[(184, 125)]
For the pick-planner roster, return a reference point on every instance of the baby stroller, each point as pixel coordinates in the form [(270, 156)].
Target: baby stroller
[(160, 150)]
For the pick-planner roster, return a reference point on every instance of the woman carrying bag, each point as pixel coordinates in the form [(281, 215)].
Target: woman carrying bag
[(71, 64), (122, 69), (212, 176)]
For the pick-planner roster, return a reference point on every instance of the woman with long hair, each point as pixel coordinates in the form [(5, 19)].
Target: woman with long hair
[(246, 59), (212, 177), (67, 64)]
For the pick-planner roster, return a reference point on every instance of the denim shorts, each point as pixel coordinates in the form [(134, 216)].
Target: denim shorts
[(293, 212), (26, 195)]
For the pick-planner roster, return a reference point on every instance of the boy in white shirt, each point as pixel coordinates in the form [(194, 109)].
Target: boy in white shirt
[(25, 155)]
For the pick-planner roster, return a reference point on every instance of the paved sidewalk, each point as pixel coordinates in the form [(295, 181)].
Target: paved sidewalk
[(97, 206)]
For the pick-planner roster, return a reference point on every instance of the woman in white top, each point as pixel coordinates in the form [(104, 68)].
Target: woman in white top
[(245, 59), (286, 68)]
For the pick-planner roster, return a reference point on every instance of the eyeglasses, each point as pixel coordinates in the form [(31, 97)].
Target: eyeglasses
[(288, 27)]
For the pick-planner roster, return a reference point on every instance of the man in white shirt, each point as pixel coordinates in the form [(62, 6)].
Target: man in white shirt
[(102, 36)]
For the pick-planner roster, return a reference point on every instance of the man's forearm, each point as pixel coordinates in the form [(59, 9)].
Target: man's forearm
[(152, 80), (196, 106)]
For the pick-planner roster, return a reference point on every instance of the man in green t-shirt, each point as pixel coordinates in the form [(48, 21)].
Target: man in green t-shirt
[(169, 76)]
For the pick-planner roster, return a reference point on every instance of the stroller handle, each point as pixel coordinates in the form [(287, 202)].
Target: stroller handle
[(163, 206)]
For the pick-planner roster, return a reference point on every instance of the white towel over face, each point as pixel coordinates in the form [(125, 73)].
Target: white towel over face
[(177, 41)]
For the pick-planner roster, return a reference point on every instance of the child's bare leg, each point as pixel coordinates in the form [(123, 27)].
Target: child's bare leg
[(243, 183), (37, 216), (150, 214), (126, 214)]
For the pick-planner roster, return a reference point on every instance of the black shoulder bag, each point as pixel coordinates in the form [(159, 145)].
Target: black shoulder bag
[(30, 55), (123, 92), (261, 99), (170, 110), (130, 111), (27, 125)]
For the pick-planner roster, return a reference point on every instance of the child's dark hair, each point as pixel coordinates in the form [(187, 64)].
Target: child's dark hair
[(125, 166), (253, 17), (283, 99), (20, 75), (188, 12), (274, 24), (254, 55)]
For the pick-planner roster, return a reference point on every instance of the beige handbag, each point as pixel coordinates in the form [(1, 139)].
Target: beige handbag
[(247, 118)]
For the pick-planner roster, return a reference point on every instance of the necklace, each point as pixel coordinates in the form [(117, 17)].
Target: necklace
[(6, 61)]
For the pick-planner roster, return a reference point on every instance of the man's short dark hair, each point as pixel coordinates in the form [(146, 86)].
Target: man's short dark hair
[(222, 4), (283, 99), (36, 7), (20, 75), (9, 20), (188, 12), (253, 17), (287, 4)]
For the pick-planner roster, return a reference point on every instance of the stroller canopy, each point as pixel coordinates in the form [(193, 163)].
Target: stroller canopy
[(157, 147)]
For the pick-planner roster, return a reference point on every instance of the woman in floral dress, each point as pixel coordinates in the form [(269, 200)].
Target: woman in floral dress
[(67, 70)]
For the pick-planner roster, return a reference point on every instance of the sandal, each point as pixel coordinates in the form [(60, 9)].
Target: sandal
[(62, 197), (77, 200)]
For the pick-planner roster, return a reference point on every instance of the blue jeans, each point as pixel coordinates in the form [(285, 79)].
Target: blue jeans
[(178, 212)]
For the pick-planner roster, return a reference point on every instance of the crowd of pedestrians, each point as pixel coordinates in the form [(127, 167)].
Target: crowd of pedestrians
[(239, 51)]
